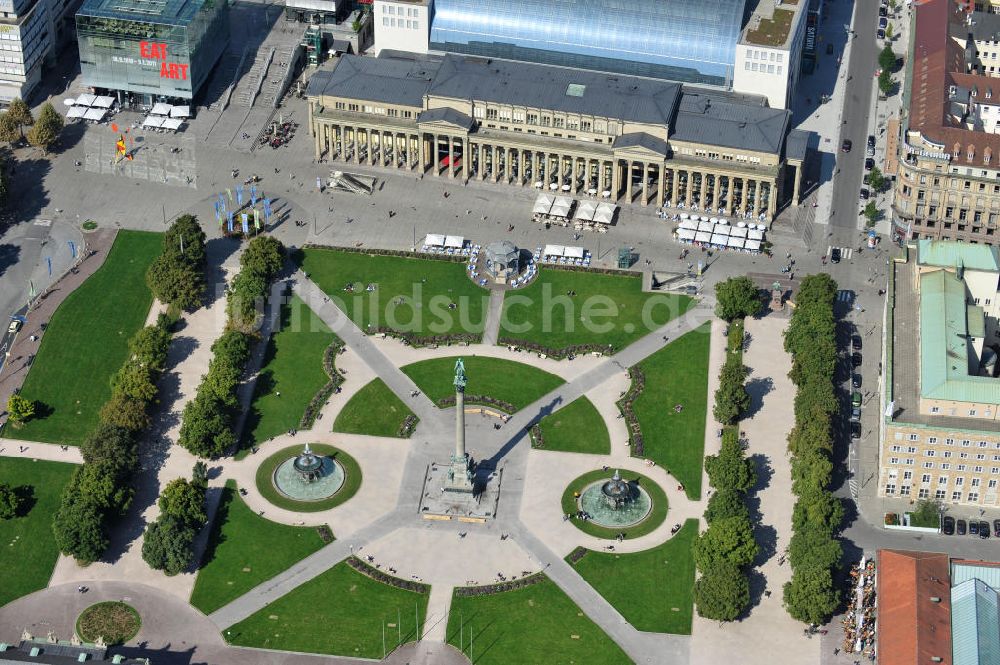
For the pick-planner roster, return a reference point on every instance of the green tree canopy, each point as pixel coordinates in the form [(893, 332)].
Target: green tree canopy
[(726, 540), (79, 527), (10, 501), (887, 58), (737, 297), (813, 547), (110, 443), (19, 113), (876, 179), (885, 82), (819, 508), (125, 412), (135, 380), (730, 469), (264, 255), (731, 397), (726, 503), (149, 346), (811, 470), (45, 132), (722, 592), (810, 596), (199, 475), (185, 241), (871, 212), (104, 485), (10, 131), (205, 428), (167, 545), (176, 283), (184, 501), (19, 409)]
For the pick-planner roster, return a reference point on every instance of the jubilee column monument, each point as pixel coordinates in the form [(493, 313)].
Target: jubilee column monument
[(460, 474)]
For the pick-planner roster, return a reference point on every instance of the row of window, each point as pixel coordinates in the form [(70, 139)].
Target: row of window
[(391, 10), (930, 224), (965, 443), (942, 480), (924, 493), (945, 453), (755, 54), (762, 68), (388, 22)]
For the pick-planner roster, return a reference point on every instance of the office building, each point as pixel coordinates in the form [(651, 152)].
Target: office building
[(635, 139), (31, 31), (769, 51)]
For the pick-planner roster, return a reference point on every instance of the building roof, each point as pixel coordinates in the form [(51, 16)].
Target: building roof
[(172, 12), (952, 254), (385, 80), (684, 34), (556, 88), (912, 627), (715, 118), (45, 652), (448, 115), (797, 144), (657, 145), (987, 571), (975, 623)]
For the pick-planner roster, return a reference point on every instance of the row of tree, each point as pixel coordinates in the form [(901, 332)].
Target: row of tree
[(177, 276), (168, 543), (814, 551), (207, 422), (101, 490), (42, 133)]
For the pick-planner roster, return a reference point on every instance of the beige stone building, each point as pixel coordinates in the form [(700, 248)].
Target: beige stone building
[(941, 431), (618, 137)]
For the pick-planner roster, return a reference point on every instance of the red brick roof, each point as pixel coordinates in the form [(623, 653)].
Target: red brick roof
[(911, 627)]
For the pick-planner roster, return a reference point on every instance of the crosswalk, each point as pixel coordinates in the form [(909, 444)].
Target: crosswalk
[(845, 252)]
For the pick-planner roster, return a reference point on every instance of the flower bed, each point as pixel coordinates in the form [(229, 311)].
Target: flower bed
[(481, 400), (625, 405), (419, 341), (500, 587), (390, 252), (577, 554), (406, 428), (556, 353), (323, 394), (385, 578)]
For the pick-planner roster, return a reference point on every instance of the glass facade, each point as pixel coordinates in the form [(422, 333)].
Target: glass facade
[(151, 49), (685, 40)]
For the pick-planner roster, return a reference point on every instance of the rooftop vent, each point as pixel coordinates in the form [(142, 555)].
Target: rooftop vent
[(34, 652), (935, 599), (82, 658), (575, 90), (936, 659)]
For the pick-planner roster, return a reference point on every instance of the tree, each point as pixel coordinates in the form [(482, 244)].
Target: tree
[(885, 82), (726, 540), (176, 283), (264, 255), (10, 131), (46, 129), (813, 547), (247, 289), (812, 469), (887, 58), (10, 502), (185, 502), (125, 412), (737, 297), (110, 442), (730, 469), (876, 179), (135, 380), (20, 115), (726, 503), (871, 212), (722, 592), (819, 508), (185, 240), (166, 545), (810, 596), (888, 32), (199, 475), (79, 527), (205, 429), (105, 486), (731, 397), (19, 409), (149, 346)]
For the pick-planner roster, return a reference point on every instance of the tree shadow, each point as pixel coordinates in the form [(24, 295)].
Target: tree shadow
[(26, 499), (758, 586), (758, 388), (26, 178), (9, 255)]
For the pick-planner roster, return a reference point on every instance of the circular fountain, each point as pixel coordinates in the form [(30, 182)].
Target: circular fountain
[(615, 503), (308, 476)]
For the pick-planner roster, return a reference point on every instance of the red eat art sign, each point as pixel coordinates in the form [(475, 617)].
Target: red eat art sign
[(168, 70)]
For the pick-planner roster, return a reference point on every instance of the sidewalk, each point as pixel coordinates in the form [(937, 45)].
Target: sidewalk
[(51, 452)]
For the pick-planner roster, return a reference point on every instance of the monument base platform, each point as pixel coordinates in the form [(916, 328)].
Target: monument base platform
[(444, 500)]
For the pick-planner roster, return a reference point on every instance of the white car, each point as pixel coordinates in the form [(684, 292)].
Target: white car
[(14, 326)]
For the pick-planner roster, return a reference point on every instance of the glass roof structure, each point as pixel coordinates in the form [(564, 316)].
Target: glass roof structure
[(684, 40), (170, 12)]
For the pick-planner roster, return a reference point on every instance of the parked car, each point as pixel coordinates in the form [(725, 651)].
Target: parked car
[(996, 528), (856, 359), (883, 11), (855, 414), (880, 34), (960, 527), (856, 381), (835, 255), (863, 194), (856, 399), (871, 140), (984, 530), (855, 431), (973, 528), (948, 525), (869, 163), (856, 342), (846, 145), (15, 325), (866, 180), (883, 22), (870, 151)]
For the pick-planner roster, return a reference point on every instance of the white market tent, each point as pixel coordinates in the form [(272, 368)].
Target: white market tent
[(104, 102), (160, 108), (735, 243), (686, 234), (76, 112), (152, 122), (434, 240), (85, 100), (542, 205), (554, 250), (605, 213), (456, 242), (754, 234), (719, 239), (737, 233), (703, 236), (688, 224), (561, 207), (706, 226), (180, 112), (585, 211), (721, 229), (95, 114), (574, 252), (753, 245), (172, 123)]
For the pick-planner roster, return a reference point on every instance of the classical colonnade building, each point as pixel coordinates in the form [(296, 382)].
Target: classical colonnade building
[(620, 137)]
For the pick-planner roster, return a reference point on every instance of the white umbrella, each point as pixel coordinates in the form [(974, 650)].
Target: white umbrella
[(69, 102)]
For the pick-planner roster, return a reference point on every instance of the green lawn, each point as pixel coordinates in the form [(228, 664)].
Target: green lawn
[(293, 367), (657, 514), (341, 612), (651, 589), (576, 428), (28, 549), (536, 624), (677, 374), (412, 295), (609, 310), (86, 342), (265, 474), (374, 410), (512, 382), (244, 550)]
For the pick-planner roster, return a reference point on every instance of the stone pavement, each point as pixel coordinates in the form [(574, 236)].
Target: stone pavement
[(772, 406), (51, 452)]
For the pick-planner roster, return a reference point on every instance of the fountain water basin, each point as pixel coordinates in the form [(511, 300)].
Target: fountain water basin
[(615, 503), (326, 479)]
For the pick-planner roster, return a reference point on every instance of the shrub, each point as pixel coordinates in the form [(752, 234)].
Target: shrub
[(19, 409), (722, 592), (167, 545), (79, 527), (184, 501), (264, 255), (728, 540), (736, 298), (10, 502)]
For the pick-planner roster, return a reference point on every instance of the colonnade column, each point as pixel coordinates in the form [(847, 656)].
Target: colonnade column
[(674, 183), (704, 188), (645, 183), (796, 186)]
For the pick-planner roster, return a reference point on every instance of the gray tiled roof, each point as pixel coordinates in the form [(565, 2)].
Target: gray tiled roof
[(643, 139), (386, 80), (720, 119), (448, 115), (797, 144), (547, 87)]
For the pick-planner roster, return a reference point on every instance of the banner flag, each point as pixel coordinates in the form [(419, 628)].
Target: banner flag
[(239, 195), (72, 248), (246, 227), (31, 289), (48, 259), (267, 209), (230, 192), (256, 219), (230, 221)]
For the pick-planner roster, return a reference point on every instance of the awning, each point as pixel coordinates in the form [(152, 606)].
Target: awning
[(457, 242), (688, 224), (160, 108), (340, 46), (95, 114), (180, 112), (542, 204), (685, 234), (574, 252), (561, 207), (752, 245), (85, 100), (719, 240), (721, 229), (554, 250), (104, 102), (703, 236), (706, 226), (152, 122), (76, 112), (605, 213), (754, 234), (737, 233), (434, 240), (735, 243), (585, 211), (172, 123)]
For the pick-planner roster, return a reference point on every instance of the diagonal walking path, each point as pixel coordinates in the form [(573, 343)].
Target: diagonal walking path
[(494, 314), (50, 452)]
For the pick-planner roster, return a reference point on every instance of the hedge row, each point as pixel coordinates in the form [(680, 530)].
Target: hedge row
[(451, 258), (480, 400), (323, 394), (418, 341), (385, 578), (625, 405), (814, 551), (554, 352), (500, 587), (407, 427)]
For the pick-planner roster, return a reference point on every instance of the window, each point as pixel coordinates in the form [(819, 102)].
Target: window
[(911, 449), (385, 19), (928, 453), (977, 469), (893, 460), (923, 493), (932, 440), (492, 114), (992, 484), (949, 442), (975, 482), (746, 65), (972, 412), (914, 437), (956, 495), (890, 489), (558, 123), (973, 497), (980, 456), (942, 480), (960, 467), (966, 443), (928, 465), (940, 494), (945, 466), (904, 490), (532, 118), (982, 444), (926, 478), (946, 453), (907, 475), (898, 449), (959, 481)]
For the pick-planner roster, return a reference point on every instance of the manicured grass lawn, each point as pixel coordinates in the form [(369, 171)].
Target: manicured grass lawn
[(245, 550), (293, 366), (610, 310), (536, 624), (677, 374), (28, 549), (341, 612), (86, 342), (112, 620), (374, 410), (658, 513), (265, 472), (513, 382), (652, 589), (576, 428), (423, 289)]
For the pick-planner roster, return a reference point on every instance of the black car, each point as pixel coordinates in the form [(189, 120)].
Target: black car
[(984, 530), (856, 342), (960, 527), (948, 525), (863, 194), (880, 34), (856, 381), (996, 528), (869, 163), (846, 145), (835, 255), (855, 414), (855, 431), (883, 22), (973, 528), (883, 11), (871, 141), (856, 359)]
